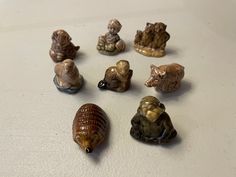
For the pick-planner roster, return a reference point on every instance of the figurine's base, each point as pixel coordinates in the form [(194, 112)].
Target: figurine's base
[(150, 52), (151, 140), (71, 90), (110, 53)]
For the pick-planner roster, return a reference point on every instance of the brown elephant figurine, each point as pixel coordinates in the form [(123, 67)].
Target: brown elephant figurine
[(62, 47), (67, 78), (117, 78), (151, 123)]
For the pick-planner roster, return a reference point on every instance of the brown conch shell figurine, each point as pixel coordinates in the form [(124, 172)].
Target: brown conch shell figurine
[(67, 78), (151, 123), (166, 78), (62, 47), (89, 126), (152, 41), (117, 78), (110, 43)]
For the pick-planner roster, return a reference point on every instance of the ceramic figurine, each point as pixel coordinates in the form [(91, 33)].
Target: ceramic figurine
[(67, 78), (110, 43), (166, 78), (152, 41), (117, 78), (151, 123), (89, 126), (62, 47)]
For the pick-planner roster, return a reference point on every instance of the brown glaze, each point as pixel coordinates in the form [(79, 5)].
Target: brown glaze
[(117, 78), (151, 123), (166, 78), (152, 41), (67, 76), (110, 43), (89, 126), (62, 47)]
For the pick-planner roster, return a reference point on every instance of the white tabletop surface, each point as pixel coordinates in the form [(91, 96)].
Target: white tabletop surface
[(36, 119)]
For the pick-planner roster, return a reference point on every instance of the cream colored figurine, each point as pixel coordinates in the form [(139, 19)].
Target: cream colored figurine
[(110, 43), (67, 78)]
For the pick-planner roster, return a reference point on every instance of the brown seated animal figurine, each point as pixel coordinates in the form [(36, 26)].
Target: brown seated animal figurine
[(62, 47), (110, 43), (67, 78), (152, 41), (117, 78), (151, 123), (166, 78)]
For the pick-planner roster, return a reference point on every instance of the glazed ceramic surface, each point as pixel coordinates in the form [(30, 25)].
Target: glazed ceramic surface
[(36, 119)]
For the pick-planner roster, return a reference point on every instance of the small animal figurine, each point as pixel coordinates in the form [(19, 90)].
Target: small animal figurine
[(117, 78), (62, 47), (151, 123), (67, 78), (110, 43), (166, 78), (152, 41), (89, 126)]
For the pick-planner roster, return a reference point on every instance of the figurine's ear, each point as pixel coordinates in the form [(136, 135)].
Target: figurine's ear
[(148, 24), (54, 35), (154, 69)]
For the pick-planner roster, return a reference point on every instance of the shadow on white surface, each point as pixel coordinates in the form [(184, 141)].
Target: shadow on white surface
[(80, 57), (186, 86)]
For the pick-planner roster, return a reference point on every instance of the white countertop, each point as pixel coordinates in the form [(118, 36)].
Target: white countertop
[(36, 119)]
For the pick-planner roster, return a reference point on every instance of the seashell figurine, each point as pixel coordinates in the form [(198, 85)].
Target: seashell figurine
[(110, 43), (117, 78), (151, 123), (67, 78), (166, 78), (62, 47), (152, 41), (89, 126)]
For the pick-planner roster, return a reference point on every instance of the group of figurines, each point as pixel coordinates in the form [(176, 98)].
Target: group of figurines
[(151, 123)]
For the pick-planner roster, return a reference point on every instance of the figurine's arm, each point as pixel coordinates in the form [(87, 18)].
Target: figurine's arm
[(135, 120)]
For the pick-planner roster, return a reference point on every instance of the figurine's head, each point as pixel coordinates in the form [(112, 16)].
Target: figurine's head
[(114, 26), (67, 67), (122, 67), (151, 108), (160, 27), (61, 37)]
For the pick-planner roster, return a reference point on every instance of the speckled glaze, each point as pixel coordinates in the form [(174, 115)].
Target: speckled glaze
[(89, 126), (62, 47), (117, 78), (67, 78), (166, 78), (152, 41), (151, 123), (110, 43)]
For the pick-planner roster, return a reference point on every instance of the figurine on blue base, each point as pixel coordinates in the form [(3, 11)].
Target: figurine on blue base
[(67, 78)]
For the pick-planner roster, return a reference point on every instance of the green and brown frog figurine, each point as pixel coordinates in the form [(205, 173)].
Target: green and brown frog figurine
[(151, 124)]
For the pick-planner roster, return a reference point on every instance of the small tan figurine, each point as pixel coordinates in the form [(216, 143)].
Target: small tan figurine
[(152, 41), (67, 78), (166, 78), (110, 43), (117, 78), (151, 123), (62, 47)]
